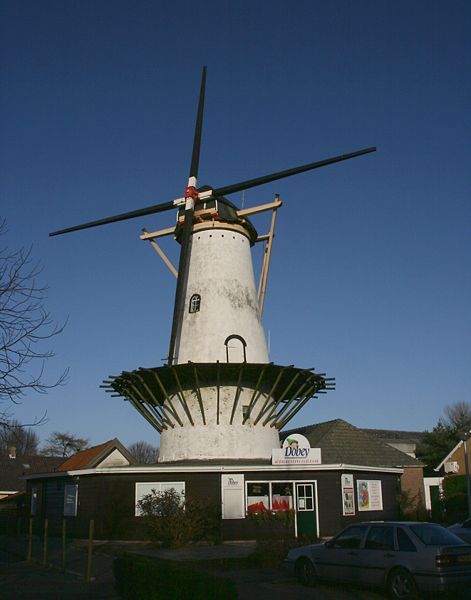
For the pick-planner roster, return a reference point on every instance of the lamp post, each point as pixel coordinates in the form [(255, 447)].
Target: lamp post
[(465, 437)]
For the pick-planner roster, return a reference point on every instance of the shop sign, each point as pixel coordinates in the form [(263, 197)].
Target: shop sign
[(296, 450), (348, 497)]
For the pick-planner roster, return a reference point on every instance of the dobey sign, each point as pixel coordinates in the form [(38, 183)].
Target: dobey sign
[(296, 450)]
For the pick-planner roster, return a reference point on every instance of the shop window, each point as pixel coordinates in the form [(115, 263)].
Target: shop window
[(70, 500), (282, 496), (142, 489), (235, 349), (258, 497), (195, 303)]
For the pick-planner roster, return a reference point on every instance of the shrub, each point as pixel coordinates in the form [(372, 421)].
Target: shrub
[(141, 578), (175, 521), (274, 536), (411, 507), (454, 498)]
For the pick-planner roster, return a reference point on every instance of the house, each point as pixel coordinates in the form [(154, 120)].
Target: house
[(329, 475), (341, 442), (405, 441), (454, 462), (13, 469)]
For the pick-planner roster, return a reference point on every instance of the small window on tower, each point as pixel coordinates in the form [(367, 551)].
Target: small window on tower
[(195, 302)]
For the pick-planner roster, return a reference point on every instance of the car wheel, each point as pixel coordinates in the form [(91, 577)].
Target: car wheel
[(305, 572), (401, 585)]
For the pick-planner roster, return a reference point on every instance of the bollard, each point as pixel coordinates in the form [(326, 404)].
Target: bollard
[(30, 539), (46, 525), (90, 550)]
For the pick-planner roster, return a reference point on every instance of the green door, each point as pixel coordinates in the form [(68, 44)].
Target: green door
[(306, 510)]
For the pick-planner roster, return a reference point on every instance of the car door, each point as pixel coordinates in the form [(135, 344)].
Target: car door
[(377, 555), (338, 559)]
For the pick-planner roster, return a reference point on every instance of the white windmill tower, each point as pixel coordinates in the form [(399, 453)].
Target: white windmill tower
[(218, 396)]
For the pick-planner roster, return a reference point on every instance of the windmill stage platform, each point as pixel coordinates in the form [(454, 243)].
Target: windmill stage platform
[(172, 396)]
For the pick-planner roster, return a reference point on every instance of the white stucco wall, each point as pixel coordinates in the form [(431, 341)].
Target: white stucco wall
[(221, 273), (218, 441), (114, 459)]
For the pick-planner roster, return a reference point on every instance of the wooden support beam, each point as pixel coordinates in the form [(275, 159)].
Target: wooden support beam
[(244, 212), (297, 407), (256, 393), (290, 400), (169, 400), (198, 393), (164, 410), (218, 390), (282, 397), (182, 396), (146, 414), (164, 257), (237, 394), (262, 288), (260, 414), (150, 235)]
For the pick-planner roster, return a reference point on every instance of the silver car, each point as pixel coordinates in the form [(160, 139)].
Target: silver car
[(462, 530), (402, 556)]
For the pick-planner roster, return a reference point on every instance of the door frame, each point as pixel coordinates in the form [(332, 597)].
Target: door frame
[(312, 482)]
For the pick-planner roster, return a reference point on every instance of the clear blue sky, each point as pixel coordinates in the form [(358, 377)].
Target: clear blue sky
[(370, 278)]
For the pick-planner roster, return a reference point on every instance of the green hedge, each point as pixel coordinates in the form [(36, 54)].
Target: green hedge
[(141, 578)]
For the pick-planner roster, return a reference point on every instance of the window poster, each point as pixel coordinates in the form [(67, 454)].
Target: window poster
[(348, 496), (369, 494), (70, 500), (233, 496)]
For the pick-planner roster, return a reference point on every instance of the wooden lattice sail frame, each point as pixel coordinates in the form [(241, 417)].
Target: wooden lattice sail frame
[(161, 394)]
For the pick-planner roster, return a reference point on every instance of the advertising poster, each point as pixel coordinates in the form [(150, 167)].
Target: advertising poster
[(348, 496), (369, 494)]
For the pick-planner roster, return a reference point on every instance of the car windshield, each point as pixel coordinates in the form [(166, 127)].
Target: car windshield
[(434, 535)]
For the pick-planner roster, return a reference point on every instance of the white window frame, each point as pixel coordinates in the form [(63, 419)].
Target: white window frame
[(70, 510), (158, 486), (295, 497), (270, 491)]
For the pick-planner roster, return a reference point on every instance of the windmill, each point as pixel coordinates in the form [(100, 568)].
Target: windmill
[(217, 396)]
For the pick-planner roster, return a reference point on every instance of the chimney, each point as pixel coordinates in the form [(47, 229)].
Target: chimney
[(12, 453)]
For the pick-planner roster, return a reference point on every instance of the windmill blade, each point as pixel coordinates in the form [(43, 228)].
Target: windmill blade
[(191, 195), (195, 156), (250, 183), (149, 210)]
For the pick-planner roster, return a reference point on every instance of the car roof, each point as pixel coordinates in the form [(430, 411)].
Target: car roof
[(403, 523)]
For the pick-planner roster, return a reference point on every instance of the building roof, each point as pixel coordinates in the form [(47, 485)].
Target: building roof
[(341, 442), (449, 455), (394, 435), (92, 457), (13, 469)]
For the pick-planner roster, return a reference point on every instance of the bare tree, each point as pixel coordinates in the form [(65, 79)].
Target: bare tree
[(144, 452), (458, 416), (63, 444), (24, 326), (436, 444), (24, 440)]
